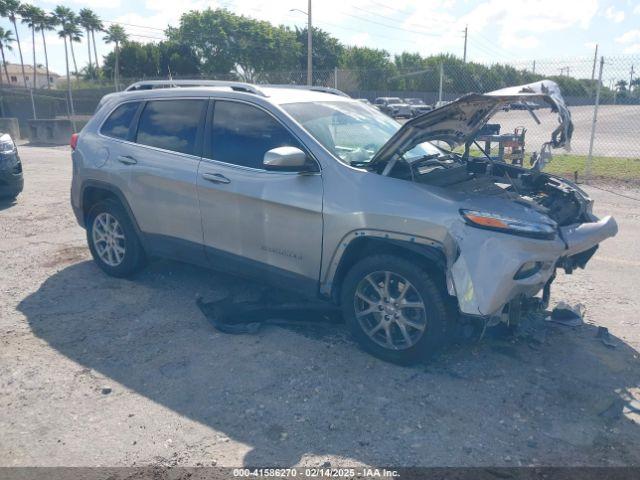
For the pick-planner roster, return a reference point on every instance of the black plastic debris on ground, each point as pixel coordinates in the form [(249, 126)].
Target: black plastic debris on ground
[(605, 337), (232, 316)]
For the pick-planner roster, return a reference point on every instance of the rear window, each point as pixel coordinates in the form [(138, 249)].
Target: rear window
[(118, 123), (171, 124)]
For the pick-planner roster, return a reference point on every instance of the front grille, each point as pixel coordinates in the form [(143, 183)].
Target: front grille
[(17, 169)]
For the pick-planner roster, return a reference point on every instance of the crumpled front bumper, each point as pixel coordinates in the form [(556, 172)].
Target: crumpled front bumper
[(482, 276)]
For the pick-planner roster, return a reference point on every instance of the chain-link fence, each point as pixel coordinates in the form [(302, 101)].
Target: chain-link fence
[(603, 96)]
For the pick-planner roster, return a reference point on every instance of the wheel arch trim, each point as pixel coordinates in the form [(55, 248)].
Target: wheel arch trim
[(423, 246), (118, 194)]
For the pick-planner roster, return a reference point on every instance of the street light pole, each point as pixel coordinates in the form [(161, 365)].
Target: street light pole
[(309, 47)]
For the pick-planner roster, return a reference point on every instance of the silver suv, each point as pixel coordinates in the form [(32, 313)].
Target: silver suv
[(320, 193)]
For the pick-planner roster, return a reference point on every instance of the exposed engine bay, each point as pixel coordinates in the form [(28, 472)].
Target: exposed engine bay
[(556, 198)]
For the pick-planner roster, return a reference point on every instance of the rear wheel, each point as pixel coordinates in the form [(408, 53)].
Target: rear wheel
[(394, 309), (113, 241)]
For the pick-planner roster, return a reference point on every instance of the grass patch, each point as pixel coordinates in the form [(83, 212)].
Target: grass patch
[(601, 167), (606, 168)]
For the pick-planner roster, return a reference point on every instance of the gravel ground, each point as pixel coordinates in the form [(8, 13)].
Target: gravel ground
[(96, 371)]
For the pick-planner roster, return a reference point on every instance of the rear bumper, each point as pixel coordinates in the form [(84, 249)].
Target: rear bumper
[(482, 277)]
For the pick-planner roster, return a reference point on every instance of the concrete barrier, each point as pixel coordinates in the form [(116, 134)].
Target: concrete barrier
[(55, 131), (11, 126)]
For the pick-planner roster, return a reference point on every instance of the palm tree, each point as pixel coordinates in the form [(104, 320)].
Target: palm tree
[(31, 16), (62, 16), (96, 26), (10, 9), (116, 34), (86, 15), (69, 29), (46, 23), (621, 86), (6, 39), (87, 21), (75, 35)]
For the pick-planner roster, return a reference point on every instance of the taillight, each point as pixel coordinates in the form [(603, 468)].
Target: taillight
[(74, 141)]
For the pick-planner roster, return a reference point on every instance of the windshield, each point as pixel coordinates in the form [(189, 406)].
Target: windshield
[(352, 131)]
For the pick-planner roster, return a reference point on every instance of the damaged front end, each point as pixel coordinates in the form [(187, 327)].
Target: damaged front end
[(516, 226)]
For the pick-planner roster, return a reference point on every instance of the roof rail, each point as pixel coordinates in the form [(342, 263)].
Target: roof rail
[(313, 88), (155, 84)]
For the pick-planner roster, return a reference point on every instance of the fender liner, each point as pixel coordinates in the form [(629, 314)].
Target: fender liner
[(118, 194), (426, 248)]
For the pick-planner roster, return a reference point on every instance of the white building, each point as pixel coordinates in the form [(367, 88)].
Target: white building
[(15, 76)]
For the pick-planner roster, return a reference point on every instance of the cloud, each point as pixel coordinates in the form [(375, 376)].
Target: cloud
[(360, 39), (89, 3), (631, 40), (629, 37), (614, 15), (636, 10), (498, 25)]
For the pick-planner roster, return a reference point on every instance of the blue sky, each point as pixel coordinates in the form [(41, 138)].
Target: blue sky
[(499, 30)]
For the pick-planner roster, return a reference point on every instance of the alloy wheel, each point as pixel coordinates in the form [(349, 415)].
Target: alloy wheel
[(390, 310), (108, 239)]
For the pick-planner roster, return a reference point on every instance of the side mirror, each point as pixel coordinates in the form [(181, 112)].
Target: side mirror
[(288, 159)]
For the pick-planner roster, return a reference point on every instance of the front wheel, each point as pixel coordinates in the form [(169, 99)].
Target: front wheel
[(394, 309)]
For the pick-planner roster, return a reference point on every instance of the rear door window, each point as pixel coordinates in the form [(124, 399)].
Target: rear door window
[(119, 122), (171, 124), (242, 134)]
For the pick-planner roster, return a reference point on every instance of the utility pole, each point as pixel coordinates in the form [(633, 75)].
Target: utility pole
[(464, 56), (595, 60), (309, 47), (440, 88), (534, 67), (631, 77), (587, 172)]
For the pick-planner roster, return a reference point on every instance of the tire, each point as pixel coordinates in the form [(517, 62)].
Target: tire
[(389, 341), (126, 255)]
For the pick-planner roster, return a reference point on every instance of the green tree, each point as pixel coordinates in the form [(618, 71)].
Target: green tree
[(46, 23), (621, 86), (372, 67), (138, 60), (85, 17), (31, 17), (11, 9), (115, 34), (326, 49), (210, 35), (90, 21), (235, 45), (635, 85), (6, 39)]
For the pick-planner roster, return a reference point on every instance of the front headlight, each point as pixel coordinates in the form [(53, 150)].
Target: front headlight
[(6, 144), (514, 226)]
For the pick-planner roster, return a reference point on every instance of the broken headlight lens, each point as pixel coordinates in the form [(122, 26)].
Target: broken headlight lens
[(501, 223)]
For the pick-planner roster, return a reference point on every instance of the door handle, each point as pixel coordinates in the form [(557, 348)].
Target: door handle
[(127, 159), (215, 178)]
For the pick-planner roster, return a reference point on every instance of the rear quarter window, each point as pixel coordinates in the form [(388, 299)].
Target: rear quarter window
[(118, 123)]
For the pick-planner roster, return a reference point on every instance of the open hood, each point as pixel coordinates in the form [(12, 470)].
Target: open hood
[(458, 122)]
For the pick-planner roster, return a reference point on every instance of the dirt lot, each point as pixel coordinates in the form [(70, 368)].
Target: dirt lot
[(183, 394)]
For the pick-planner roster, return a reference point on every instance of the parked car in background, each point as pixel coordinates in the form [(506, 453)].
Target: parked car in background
[(441, 103), (11, 179), (522, 106), (418, 106), (393, 106)]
